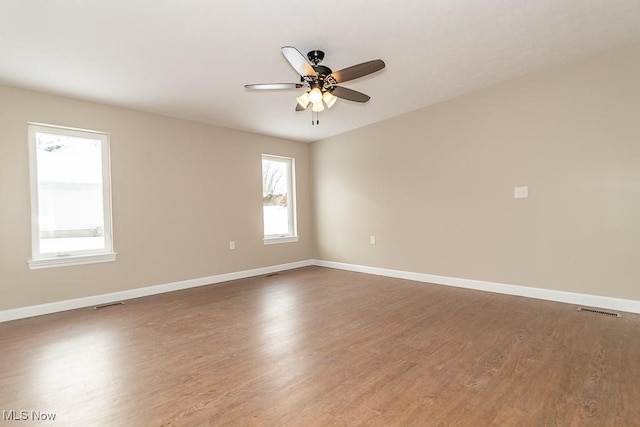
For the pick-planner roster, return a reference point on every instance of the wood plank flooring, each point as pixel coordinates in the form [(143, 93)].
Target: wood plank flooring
[(318, 347)]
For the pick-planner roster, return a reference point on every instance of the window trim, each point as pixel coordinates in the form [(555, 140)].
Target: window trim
[(292, 236), (39, 260), (278, 239)]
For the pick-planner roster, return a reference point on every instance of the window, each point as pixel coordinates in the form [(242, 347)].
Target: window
[(278, 199), (70, 197)]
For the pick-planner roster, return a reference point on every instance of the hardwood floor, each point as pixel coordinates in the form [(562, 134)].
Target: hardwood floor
[(317, 347)]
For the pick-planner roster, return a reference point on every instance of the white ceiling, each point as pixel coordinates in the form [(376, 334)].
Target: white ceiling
[(192, 58)]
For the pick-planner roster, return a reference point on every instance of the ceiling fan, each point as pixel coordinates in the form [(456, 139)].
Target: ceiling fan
[(320, 82)]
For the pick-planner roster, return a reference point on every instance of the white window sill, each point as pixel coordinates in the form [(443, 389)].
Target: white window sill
[(276, 240), (35, 264)]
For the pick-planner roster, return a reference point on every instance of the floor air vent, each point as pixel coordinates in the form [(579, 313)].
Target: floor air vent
[(595, 310), (109, 304)]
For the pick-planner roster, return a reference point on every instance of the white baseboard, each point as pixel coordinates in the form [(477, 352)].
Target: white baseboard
[(610, 303), (630, 306), (54, 307)]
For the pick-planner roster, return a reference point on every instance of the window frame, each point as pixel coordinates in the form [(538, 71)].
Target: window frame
[(292, 235), (77, 257)]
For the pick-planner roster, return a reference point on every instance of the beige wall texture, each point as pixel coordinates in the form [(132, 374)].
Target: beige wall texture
[(181, 192), (436, 186)]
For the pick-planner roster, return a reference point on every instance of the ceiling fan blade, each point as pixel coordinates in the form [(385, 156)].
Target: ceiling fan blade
[(298, 61), (349, 94), (299, 107), (357, 71), (271, 86)]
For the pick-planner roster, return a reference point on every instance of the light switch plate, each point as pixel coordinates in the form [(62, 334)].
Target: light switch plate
[(521, 192)]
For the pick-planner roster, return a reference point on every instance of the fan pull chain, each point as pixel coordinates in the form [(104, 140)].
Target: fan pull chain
[(314, 121)]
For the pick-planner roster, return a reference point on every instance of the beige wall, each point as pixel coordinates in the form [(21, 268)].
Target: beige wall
[(436, 185), (181, 192)]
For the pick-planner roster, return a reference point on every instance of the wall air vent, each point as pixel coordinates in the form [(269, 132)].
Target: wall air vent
[(599, 311)]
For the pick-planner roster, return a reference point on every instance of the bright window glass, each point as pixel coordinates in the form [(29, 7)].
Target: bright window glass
[(278, 198), (71, 201)]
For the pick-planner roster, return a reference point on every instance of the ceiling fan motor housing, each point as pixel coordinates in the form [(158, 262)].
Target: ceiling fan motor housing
[(322, 70)]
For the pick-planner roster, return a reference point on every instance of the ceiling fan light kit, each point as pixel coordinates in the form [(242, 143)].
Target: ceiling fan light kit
[(321, 82)]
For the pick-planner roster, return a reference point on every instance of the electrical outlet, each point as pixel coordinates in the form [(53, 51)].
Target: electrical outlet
[(521, 192), (232, 245)]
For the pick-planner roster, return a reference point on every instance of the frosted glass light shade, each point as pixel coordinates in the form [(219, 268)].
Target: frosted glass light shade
[(304, 100), (329, 99), (318, 107)]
